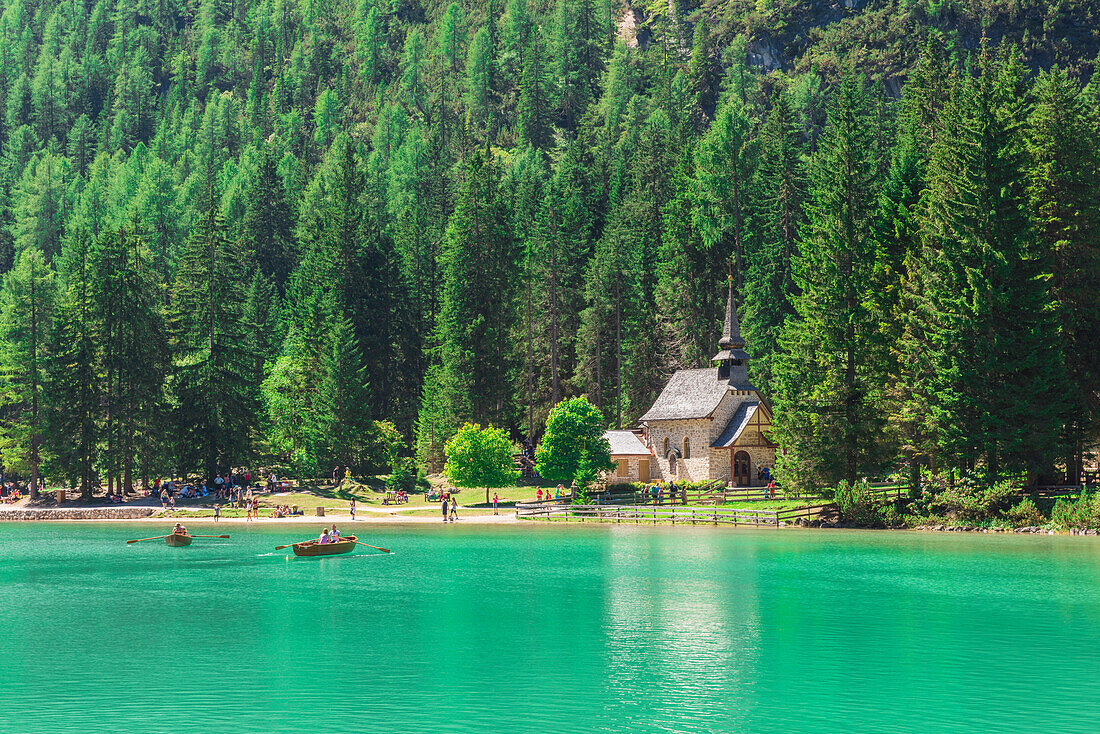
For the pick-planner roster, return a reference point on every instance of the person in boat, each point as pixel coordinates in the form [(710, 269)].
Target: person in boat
[(324, 539), (334, 534), (179, 530)]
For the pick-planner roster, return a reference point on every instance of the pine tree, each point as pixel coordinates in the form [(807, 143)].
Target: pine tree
[(780, 215), (533, 115), (26, 307), (369, 42), (830, 376), (345, 398), (268, 223), (414, 90), (135, 357), (72, 380), (472, 379), (725, 165), (215, 405), (1064, 192), (703, 76), (578, 46), (1064, 159), (997, 388), (480, 74)]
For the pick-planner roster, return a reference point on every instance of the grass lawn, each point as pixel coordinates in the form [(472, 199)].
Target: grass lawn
[(471, 501), (462, 512)]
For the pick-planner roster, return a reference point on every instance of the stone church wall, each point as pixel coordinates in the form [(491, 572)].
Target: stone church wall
[(696, 467), (705, 463)]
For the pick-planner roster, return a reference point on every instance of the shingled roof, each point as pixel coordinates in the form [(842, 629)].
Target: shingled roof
[(625, 443), (740, 420), (689, 394)]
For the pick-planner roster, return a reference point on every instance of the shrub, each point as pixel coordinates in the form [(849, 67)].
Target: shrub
[(404, 476), (891, 518), (1083, 512), (858, 505), (1024, 513), (972, 498)]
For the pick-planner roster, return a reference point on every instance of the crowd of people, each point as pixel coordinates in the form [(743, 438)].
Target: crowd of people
[(236, 489)]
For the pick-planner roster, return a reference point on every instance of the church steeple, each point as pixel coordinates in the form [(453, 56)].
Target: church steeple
[(731, 332), (732, 360)]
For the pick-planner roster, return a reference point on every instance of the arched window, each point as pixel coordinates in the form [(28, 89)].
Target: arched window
[(665, 452), (687, 448)]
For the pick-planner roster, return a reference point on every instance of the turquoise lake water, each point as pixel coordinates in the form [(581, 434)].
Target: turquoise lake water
[(548, 629)]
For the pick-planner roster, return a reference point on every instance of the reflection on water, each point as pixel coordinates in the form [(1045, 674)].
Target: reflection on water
[(538, 629)]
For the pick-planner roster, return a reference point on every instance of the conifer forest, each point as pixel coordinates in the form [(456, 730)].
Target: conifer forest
[(289, 234)]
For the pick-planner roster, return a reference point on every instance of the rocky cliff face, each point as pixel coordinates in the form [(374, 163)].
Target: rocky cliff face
[(886, 36)]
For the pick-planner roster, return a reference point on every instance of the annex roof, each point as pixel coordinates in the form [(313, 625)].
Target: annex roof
[(625, 443), (737, 425), (689, 394)]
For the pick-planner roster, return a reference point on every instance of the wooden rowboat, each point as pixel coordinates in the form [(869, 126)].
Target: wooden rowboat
[(177, 540), (313, 548)]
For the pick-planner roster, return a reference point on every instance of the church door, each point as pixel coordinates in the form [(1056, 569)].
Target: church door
[(741, 476)]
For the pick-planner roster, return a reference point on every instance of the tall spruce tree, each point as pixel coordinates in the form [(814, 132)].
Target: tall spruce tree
[(26, 308), (1064, 192), (72, 377), (830, 376), (268, 222), (135, 357), (471, 378), (779, 216), (998, 390), (214, 402)]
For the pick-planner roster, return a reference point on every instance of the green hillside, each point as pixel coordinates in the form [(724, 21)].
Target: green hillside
[(316, 233)]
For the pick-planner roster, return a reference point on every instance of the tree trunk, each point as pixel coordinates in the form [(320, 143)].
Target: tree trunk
[(554, 386), (619, 352), (33, 493)]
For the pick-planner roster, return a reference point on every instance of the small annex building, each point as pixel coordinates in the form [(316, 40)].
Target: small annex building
[(709, 423), (631, 456)]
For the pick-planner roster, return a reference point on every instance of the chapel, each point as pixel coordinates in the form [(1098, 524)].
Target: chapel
[(708, 423)]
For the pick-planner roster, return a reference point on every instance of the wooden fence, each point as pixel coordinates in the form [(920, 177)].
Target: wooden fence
[(672, 514), (1053, 491), (651, 514), (720, 493)]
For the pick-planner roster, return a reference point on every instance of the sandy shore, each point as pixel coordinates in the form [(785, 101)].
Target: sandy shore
[(373, 518)]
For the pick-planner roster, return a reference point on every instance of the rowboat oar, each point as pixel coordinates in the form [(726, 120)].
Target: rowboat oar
[(280, 547), (209, 536), (141, 539), (384, 550)]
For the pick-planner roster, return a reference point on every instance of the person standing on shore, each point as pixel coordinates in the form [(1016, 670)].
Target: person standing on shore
[(454, 509), (217, 512), (446, 505), (248, 511), (351, 509), (495, 500), (164, 499)]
